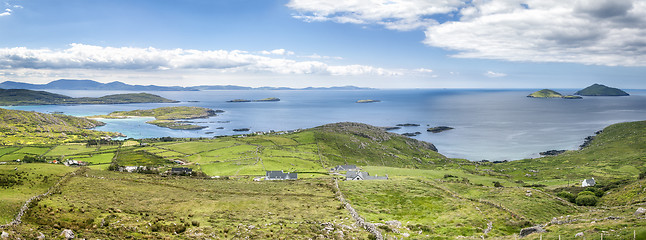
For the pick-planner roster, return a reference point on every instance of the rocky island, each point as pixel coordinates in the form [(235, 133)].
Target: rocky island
[(271, 99), (548, 93), (438, 129), (167, 116), (367, 101), (601, 90)]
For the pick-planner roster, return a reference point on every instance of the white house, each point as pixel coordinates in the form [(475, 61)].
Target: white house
[(588, 183)]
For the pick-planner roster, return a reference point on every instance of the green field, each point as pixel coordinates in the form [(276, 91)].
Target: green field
[(427, 195)]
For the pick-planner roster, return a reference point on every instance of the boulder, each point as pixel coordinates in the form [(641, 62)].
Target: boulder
[(579, 234), (394, 223), (67, 234), (640, 211), (4, 235), (530, 230)]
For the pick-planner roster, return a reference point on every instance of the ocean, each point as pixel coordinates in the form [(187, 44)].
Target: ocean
[(491, 124)]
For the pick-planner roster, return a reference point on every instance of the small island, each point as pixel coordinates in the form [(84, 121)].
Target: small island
[(18, 97), (367, 101), (271, 99), (438, 129), (601, 90), (548, 93), (407, 125), (167, 116)]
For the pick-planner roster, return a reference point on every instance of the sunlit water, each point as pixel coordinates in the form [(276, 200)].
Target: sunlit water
[(489, 124)]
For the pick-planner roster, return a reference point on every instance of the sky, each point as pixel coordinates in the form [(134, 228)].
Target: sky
[(302, 43)]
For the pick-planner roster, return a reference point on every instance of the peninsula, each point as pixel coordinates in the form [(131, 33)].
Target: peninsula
[(167, 116), (18, 97)]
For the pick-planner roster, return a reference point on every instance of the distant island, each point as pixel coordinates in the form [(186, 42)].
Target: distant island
[(16, 97), (167, 116), (271, 99), (72, 84), (438, 129), (548, 93), (601, 90), (368, 101)]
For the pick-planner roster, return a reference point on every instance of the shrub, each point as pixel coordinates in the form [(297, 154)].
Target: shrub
[(586, 200), (497, 184), (567, 196), (586, 193)]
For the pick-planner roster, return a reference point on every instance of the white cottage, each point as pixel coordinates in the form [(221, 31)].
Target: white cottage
[(588, 183)]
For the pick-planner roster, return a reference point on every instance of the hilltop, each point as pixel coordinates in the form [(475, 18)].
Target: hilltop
[(23, 127), (16, 97), (601, 90)]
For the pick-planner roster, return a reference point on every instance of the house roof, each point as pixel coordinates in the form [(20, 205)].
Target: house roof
[(280, 175)]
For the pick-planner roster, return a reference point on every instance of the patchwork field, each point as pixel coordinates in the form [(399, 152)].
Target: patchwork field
[(427, 195)]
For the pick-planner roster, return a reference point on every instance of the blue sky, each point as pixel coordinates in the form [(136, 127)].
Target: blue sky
[(300, 43)]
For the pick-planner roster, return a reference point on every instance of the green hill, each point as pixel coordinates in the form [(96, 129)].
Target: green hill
[(16, 97), (545, 93), (601, 90), (23, 127)]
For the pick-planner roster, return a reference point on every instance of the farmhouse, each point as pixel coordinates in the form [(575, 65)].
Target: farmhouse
[(588, 183), (345, 168), (181, 171), (280, 175), (356, 175)]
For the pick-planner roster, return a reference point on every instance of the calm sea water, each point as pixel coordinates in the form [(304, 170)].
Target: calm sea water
[(489, 124)]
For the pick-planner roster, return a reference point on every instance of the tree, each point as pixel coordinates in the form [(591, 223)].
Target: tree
[(586, 200)]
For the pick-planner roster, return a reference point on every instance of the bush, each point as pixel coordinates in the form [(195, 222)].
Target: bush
[(567, 196), (497, 184), (586, 200)]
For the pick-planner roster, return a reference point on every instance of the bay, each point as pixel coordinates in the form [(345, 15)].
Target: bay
[(492, 124)]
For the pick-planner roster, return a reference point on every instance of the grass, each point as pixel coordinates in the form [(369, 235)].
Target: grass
[(70, 149), (432, 196), (146, 206), (35, 179)]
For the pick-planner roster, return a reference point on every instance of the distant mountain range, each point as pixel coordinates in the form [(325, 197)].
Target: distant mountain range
[(70, 84)]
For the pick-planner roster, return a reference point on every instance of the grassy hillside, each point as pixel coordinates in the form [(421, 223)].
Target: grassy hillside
[(15, 97), (23, 127), (619, 152), (600, 90), (166, 116), (427, 195), (545, 93)]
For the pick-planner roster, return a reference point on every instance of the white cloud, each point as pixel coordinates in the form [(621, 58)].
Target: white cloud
[(492, 74), (6, 12), (598, 32), (424, 70), (80, 56), (316, 56), (393, 14), (277, 52)]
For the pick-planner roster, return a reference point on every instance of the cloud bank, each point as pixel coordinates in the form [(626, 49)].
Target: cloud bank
[(81, 56), (595, 32)]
